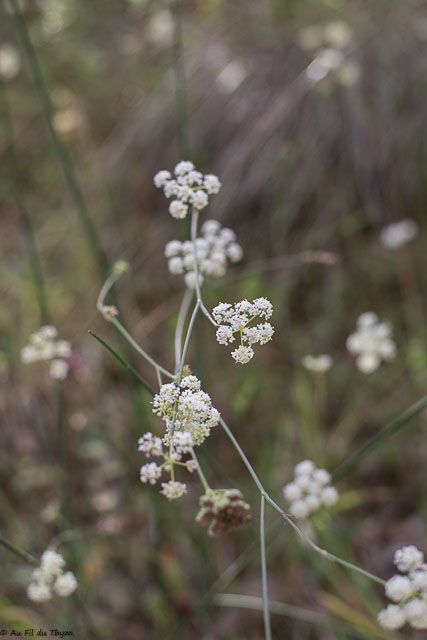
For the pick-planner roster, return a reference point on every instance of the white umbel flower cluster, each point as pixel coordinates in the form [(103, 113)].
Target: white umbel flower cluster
[(50, 579), (319, 364), (192, 407), (43, 345), (408, 591), (309, 490), (173, 489), (238, 319), (189, 188), (214, 249), (397, 234), (371, 342), (182, 443)]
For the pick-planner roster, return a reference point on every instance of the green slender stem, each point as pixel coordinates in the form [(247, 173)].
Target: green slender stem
[(140, 350), (19, 552), (200, 472), (265, 602), (30, 241), (180, 81), (194, 224), (288, 519), (182, 315), (181, 370), (280, 608), (58, 146), (128, 366), (385, 433)]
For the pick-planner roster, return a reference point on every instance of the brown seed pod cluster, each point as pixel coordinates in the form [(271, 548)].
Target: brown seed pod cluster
[(223, 511)]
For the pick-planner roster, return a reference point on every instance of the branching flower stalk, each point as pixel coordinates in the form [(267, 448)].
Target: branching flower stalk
[(183, 405)]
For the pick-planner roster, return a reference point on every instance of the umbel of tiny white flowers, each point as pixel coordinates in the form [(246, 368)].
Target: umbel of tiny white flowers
[(43, 345), (49, 578), (319, 364), (408, 591), (182, 443), (371, 342), (216, 246), (397, 234), (309, 490), (188, 407), (189, 188), (238, 319)]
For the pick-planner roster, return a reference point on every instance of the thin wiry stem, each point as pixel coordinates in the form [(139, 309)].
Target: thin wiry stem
[(19, 552), (123, 362), (194, 224), (180, 81), (200, 472), (288, 519), (265, 602), (179, 330), (110, 281), (58, 146), (140, 350), (385, 433), (16, 181), (281, 608)]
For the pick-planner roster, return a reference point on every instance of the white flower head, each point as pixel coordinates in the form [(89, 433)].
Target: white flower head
[(371, 343), (65, 584), (319, 364), (193, 413), (408, 558), (173, 490), (393, 617), (397, 234), (58, 369), (309, 490), (237, 321), (178, 209), (150, 472)]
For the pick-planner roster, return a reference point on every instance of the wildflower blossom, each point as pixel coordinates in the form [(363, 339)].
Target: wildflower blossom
[(371, 342), (173, 490), (223, 511), (43, 345), (397, 234), (409, 591), (237, 319), (319, 364), (215, 248), (194, 412), (65, 584), (309, 490), (150, 472), (49, 578), (58, 369), (190, 188), (150, 445)]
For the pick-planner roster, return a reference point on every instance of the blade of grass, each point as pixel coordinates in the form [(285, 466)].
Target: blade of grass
[(380, 437), (16, 180), (59, 148), (124, 363)]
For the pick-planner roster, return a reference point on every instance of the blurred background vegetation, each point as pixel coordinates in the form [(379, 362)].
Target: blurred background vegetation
[(98, 96)]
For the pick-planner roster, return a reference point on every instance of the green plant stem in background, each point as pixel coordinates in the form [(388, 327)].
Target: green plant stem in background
[(182, 315), (288, 519), (265, 602), (385, 433), (19, 552), (17, 182), (180, 81), (59, 148), (140, 350), (128, 366)]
